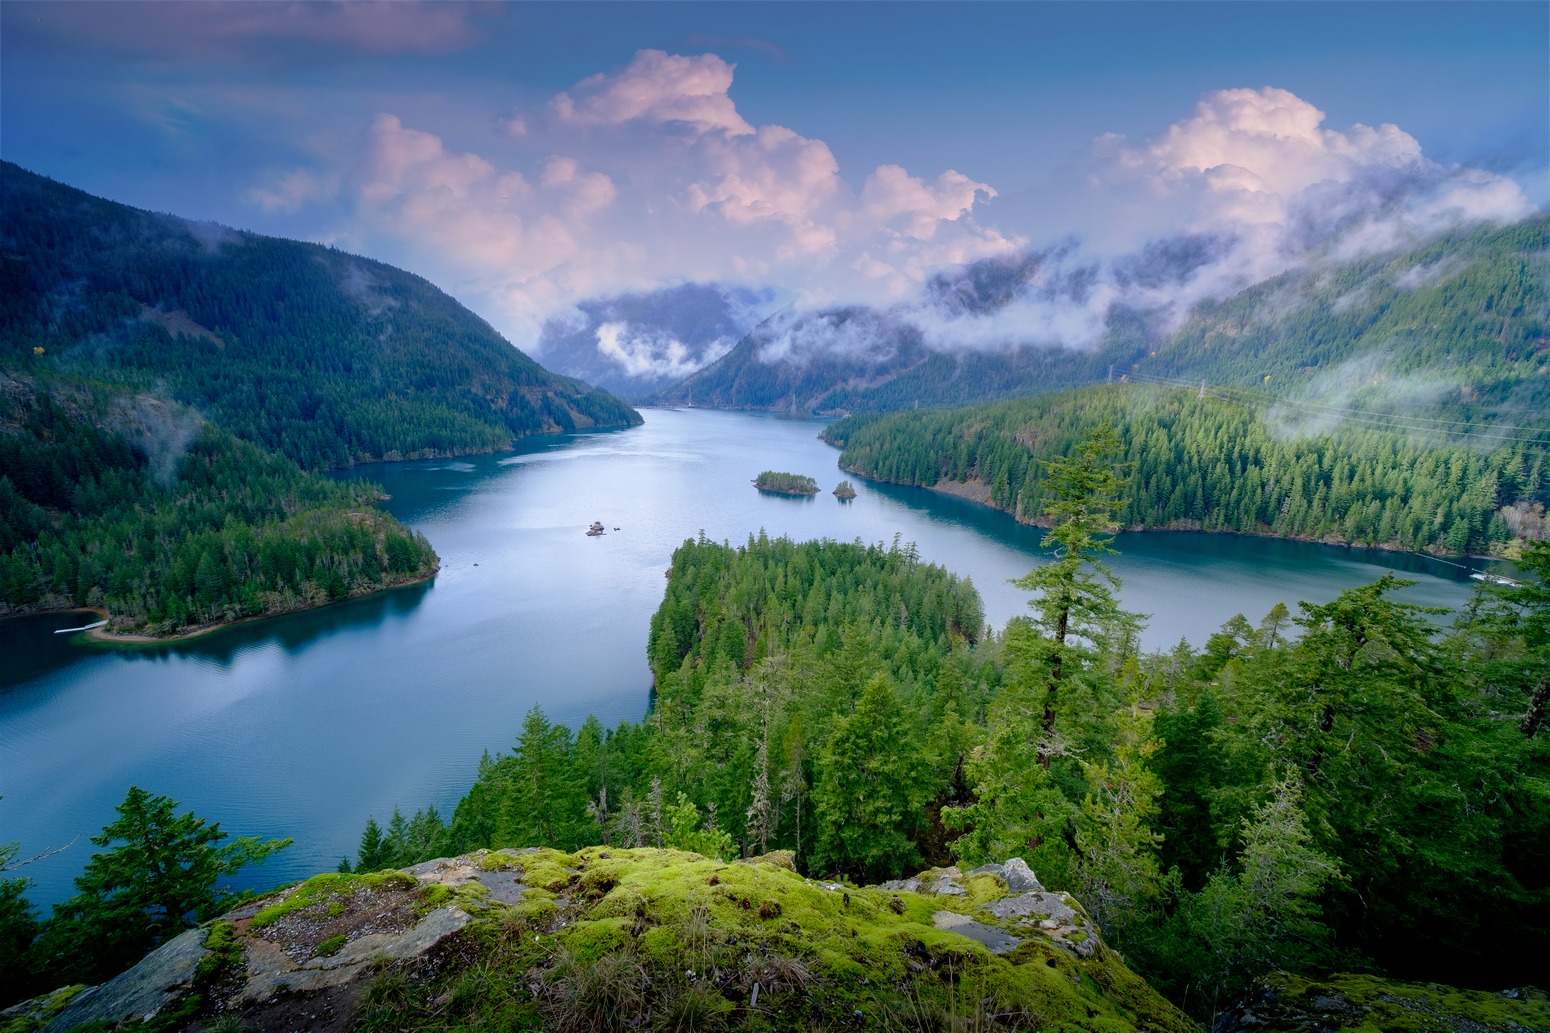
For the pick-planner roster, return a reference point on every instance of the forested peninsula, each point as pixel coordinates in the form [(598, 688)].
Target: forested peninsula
[(1244, 462), (171, 392), (133, 505)]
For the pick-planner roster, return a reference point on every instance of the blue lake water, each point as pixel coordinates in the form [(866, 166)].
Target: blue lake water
[(304, 725)]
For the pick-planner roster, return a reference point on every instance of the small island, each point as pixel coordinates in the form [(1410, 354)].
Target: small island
[(786, 483), (845, 491)]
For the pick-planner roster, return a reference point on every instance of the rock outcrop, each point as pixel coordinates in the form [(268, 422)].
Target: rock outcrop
[(632, 938), (1283, 1003)]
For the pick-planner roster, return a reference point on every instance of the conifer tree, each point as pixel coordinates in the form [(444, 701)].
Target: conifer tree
[(1264, 914), (870, 785), (159, 877), (1075, 606), (1116, 845), (372, 856)]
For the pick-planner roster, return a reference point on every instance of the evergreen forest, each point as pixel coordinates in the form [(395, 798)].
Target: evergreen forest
[(134, 505), (1455, 329), (1342, 785), (325, 357), (1236, 461)]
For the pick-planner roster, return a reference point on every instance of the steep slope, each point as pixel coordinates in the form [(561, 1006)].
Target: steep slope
[(1462, 319), (327, 357)]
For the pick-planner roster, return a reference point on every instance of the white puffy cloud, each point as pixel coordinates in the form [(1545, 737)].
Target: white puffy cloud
[(635, 178), (658, 88), (891, 193), (1261, 165), (644, 353), (1248, 186)]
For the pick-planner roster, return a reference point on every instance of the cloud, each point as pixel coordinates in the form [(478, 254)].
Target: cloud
[(629, 180), (263, 33), (658, 88), (1248, 186), (655, 355), (649, 175), (1259, 165), (292, 190)]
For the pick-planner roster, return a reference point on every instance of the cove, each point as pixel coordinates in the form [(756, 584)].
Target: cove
[(305, 724)]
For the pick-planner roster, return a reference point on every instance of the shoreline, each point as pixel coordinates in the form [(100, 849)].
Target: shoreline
[(978, 493), (102, 636)]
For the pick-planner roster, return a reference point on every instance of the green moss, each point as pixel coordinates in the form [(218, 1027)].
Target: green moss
[(609, 938), (40, 1010), (223, 954), (330, 946), (1368, 1004), (329, 888), (547, 870)]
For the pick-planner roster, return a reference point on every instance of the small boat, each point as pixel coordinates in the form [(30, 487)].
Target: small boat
[(596, 529), (1495, 579)]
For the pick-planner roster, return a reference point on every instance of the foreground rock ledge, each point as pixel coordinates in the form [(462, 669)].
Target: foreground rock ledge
[(646, 939)]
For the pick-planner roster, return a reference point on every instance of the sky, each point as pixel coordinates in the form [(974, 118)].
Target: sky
[(527, 156)]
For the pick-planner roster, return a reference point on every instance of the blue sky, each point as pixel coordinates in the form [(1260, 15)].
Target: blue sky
[(524, 156)]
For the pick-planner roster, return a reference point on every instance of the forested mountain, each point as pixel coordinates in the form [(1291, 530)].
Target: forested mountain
[(135, 505), (637, 344), (883, 364), (1461, 323), (326, 357), (1223, 462)]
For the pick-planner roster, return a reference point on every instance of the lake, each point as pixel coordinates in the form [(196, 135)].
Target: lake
[(304, 725)]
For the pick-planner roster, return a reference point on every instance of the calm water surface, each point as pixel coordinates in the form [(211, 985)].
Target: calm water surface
[(304, 725)]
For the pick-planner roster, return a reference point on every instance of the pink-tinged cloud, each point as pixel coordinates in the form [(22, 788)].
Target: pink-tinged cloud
[(1248, 186), (1260, 163), (661, 89), (635, 179), (892, 196), (257, 31)]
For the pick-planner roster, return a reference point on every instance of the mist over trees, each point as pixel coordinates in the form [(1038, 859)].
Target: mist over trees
[(1219, 464), (1450, 329)]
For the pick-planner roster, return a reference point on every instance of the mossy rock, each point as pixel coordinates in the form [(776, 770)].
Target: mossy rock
[(653, 939), (1284, 1003)]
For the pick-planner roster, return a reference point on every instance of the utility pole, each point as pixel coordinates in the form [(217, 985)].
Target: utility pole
[(1202, 387)]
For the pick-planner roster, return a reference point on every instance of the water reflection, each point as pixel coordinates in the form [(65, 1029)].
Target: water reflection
[(305, 724), (293, 632)]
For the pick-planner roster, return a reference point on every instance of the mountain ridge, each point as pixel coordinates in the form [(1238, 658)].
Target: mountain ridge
[(330, 358), (1468, 313)]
